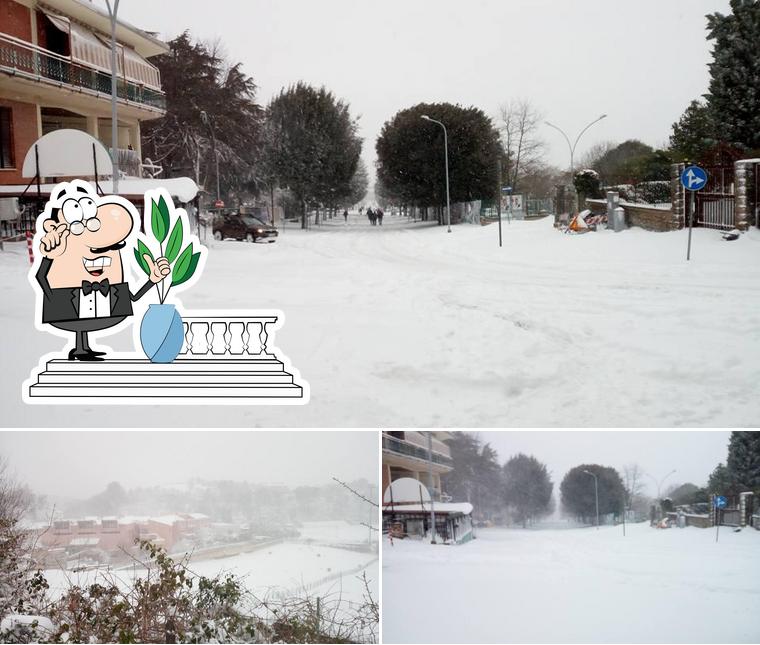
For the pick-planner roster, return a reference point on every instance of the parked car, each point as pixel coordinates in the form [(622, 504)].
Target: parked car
[(243, 227)]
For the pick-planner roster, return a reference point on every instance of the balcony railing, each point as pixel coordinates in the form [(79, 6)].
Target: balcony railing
[(34, 62), (410, 450)]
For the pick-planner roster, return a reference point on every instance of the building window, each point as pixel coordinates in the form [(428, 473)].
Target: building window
[(6, 139)]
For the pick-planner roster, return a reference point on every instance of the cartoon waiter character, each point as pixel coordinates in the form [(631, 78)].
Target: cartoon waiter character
[(81, 272)]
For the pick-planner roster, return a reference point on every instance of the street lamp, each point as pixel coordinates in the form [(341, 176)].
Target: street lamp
[(446, 153), (207, 122), (112, 11), (596, 494), (572, 147)]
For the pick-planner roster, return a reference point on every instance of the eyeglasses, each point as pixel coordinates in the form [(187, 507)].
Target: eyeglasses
[(92, 224)]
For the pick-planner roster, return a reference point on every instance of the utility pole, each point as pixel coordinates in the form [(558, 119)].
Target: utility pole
[(596, 495), (114, 90), (430, 478), (446, 155)]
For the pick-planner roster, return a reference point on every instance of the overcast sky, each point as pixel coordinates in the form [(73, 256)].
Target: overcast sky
[(641, 62), (79, 464), (693, 454)]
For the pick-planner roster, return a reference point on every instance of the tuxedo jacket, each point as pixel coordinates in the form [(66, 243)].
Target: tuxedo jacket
[(62, 304)]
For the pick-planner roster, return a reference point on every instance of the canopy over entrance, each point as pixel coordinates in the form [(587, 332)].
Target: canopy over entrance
[(66, 153)]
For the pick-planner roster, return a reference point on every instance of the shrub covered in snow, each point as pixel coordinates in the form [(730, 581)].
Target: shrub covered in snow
[(171, 604)]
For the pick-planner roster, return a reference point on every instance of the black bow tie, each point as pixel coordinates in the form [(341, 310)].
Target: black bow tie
[(88, 287)]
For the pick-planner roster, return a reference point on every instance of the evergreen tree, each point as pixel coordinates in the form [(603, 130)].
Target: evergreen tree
[(198, 81), (477, 476), (694, 133), (734, 92), (411, 162), (527, 488), (578, 495), (744, 460), (720, 481), (313, 149)]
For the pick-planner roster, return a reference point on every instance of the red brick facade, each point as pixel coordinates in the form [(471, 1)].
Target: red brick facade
[(16, 20), (23, 135)]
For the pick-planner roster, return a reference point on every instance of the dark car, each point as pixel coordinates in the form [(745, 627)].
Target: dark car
[(243, 227)]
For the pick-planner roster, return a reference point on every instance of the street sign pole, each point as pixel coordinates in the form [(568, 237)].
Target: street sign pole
[(498, 196), (691, 224), (693, 178)]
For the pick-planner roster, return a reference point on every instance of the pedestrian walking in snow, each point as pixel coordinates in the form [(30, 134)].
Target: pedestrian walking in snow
[(345, 216), (380, 216)]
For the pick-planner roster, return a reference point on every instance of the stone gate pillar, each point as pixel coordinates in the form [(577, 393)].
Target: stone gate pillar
[(743, 498), (678, 194), (744, 207)]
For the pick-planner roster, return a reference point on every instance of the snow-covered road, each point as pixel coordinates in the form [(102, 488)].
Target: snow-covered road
[(406, 325), (575, 586)]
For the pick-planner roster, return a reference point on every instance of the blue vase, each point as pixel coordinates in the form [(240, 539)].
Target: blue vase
[(162, 333)]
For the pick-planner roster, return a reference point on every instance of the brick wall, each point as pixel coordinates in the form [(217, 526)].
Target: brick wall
[(646, 217), (15, 20), (24, 133)]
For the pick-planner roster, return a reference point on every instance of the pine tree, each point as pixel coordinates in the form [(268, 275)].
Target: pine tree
[(527, 488), (313, 148), (694, 133), (744, 460), (734, 92)]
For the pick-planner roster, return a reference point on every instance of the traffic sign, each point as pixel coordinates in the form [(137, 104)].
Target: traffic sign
[(694, 178), (720, 501), (506, 189)]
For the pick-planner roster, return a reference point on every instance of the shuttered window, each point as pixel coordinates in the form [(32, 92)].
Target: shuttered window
[(6, 138)]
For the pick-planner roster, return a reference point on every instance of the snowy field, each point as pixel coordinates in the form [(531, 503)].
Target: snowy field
[(575, 586), (283, 569), (406, 325), (335, 532)]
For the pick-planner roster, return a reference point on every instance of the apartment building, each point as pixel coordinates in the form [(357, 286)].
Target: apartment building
[(112, 533), (55, 73), (406, 454)]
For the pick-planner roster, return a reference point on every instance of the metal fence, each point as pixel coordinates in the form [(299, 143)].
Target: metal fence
[(33, 62)]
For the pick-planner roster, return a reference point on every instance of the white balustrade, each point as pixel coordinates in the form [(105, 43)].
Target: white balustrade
[(232, 336)]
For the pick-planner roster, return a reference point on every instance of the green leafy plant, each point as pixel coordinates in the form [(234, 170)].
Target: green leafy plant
[(183, 263)]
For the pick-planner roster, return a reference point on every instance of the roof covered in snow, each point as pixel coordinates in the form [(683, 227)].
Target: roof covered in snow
[(183, 188), (451, 508)]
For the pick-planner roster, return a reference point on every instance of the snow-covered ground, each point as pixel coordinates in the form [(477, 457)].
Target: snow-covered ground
[(407, 325), (575, 586), (286, 569)]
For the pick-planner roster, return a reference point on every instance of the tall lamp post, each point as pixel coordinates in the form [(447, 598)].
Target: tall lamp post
[(572, 147), (596, 495), (112, 11), (430, 477), (446, 153), (207, 121)]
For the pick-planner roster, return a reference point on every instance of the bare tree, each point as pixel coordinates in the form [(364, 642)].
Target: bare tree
[(594, 154), (632, 480), (520, 121)]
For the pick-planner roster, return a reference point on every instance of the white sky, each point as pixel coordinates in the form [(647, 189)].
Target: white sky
[(694, 454), (80, 464), (641, 62)]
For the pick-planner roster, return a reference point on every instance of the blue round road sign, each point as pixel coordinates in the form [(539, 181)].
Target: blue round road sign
[(720, 502), (694, 178)]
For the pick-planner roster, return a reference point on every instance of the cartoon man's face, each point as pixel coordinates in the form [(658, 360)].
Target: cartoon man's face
[(92, 248)]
